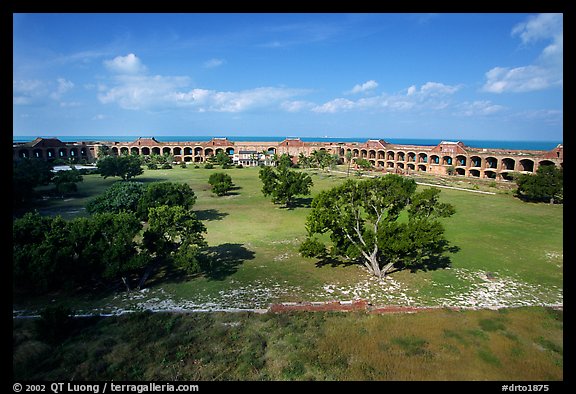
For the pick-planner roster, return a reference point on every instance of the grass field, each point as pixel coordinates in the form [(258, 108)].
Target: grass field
[(510, 344), (510, 253)]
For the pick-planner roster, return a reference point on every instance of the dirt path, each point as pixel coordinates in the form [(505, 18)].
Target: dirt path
[(328, 306)]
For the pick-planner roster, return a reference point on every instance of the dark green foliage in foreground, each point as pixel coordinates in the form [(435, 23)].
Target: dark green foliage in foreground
[(121, 196), (26, 175), (165, 193), (546, 185), (50, 253), (174, 235), (41, 252)]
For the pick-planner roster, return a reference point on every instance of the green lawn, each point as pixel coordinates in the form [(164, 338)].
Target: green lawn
[(510, 253)]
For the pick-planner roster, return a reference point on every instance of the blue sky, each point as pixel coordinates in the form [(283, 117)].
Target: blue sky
[(448, 76)]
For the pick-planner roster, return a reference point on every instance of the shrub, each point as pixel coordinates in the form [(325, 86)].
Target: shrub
[(221, 183)]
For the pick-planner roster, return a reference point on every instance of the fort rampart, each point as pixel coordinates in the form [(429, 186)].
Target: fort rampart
[(444, 158)]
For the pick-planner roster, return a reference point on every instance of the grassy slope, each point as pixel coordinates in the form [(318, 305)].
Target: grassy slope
[(516, 344)]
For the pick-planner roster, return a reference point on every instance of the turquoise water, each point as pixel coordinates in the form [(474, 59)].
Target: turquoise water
[(527, 145)]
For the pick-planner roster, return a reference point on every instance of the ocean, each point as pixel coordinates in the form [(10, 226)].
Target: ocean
[(494, 144)]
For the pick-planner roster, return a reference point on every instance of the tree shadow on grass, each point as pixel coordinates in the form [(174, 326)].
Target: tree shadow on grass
[(333, 262), (148, 179), (210, 214), (433, 262), (225, 259), (299, 202)]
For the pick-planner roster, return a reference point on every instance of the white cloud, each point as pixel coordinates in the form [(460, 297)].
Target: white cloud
[(141, 92), (129, 64), (28, 91), (430, 96), (366, 86), (213, 63), (478, 108), (539, 27), (336, 105), (239, 101), (296, 105), (437, 89), (520, 79), (137, 92), (546, 71), (548, 116), (35, 92), (63, 86)]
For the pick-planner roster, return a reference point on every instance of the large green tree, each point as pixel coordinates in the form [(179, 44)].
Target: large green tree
[(284, 184), (166, 193), (545, 185), (51, 253), (363, 219), (120, 196), (175, 236), (41, 252), (65, 180), (124, 166), (104, 246)]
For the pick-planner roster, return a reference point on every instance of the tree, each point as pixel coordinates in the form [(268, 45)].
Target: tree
[(103, 151), (348, 157), (174, 235), (50, 253), (321, 159), (285, 160), (283, 184), (221, 158), (303, 160), (26, 175), (545, 185), (120, 196), (165, 193), (221, 183), (124, 166), (104, 246), (362, 218), (40, 252), (364, 164), (66, 180)]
